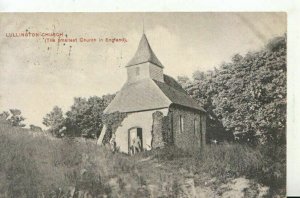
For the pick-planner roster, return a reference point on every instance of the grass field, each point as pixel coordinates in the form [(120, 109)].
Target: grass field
[(37, 165)]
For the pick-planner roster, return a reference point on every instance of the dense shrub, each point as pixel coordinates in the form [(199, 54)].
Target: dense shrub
[(246, 96)]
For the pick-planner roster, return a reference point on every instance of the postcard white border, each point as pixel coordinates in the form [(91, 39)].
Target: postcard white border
[(292, 7)]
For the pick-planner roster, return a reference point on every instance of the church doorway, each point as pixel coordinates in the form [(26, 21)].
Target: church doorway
[(135, 140)]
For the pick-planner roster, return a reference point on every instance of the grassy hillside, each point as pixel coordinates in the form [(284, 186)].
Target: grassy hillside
[(41, 166)]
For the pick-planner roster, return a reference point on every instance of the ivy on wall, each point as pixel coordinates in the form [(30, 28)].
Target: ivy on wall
[(112, 121)]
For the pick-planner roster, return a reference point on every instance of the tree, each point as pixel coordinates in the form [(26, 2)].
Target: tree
[(184, 81), (246, 96), (4, 115), (86, 116), (55, 121), (16, 118)]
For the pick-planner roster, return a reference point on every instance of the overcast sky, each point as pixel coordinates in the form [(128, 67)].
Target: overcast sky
[(35, 76)]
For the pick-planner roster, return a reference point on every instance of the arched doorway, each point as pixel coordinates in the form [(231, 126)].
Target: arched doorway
[(135, 140)]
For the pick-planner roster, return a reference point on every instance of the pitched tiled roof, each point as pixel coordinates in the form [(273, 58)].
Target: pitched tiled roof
[(138, 96), (178, 95), (173, 83), (149, 94), (144, 54)]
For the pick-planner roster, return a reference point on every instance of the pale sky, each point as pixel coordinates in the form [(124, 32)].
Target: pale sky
[(35, 76)]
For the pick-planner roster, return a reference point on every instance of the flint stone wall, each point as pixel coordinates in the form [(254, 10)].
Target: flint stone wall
[(189, 138)]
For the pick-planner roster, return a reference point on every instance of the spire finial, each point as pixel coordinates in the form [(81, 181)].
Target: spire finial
[(143, 26)]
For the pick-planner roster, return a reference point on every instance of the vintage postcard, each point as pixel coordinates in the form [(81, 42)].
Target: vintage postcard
[(162, 104)]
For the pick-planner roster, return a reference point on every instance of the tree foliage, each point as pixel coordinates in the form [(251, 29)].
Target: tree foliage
[(55, 121), (85, 118), (247, 96), (13, 117)]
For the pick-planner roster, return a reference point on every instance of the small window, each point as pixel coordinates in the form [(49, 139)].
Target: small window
[(137, 71), (181, 123), (196, 127), (200, 125), (200, 130)]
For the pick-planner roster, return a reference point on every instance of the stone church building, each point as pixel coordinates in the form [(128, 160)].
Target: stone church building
[(158, 110)]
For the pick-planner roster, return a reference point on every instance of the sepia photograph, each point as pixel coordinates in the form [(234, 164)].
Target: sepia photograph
[(143, 104)]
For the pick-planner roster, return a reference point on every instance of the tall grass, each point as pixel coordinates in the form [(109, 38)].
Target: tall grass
[(40, 166), (230, 160), (265, 164)]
